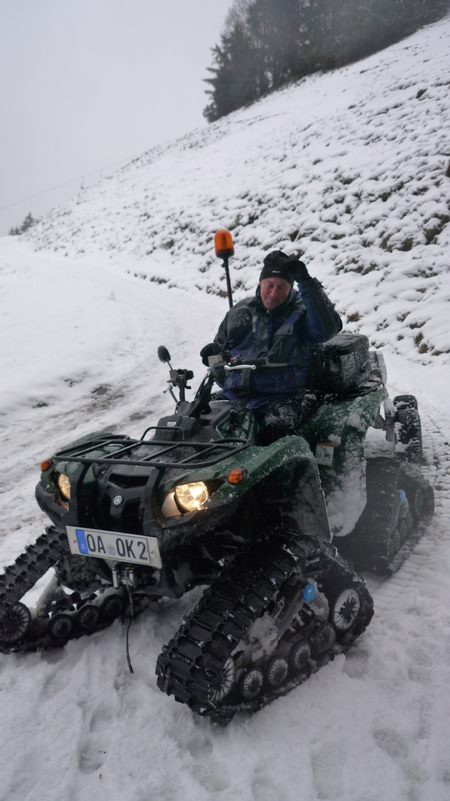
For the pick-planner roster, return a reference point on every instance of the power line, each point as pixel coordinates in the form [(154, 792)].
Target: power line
[(66, 183)]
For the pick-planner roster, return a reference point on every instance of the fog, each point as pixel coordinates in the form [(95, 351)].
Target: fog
[(87, 84)]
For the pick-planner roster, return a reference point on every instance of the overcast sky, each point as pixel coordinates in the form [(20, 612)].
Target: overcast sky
[(88, 83)]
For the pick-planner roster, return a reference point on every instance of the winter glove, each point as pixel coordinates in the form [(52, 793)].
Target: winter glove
[(212, 349), (298, 270)]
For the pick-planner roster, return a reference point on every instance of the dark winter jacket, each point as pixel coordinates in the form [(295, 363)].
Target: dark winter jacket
[(283, 336)]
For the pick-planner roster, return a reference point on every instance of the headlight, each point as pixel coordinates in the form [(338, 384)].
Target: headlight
[(190, 497), (64, 486)]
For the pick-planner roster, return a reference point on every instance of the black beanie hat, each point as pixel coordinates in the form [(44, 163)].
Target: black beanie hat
[(279, 265)]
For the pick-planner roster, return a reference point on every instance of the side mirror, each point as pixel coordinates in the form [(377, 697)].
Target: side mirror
[(163, 354)]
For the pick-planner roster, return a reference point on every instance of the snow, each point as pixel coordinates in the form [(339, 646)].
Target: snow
[(347, 169)]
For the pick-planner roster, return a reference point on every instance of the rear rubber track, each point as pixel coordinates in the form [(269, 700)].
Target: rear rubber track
[(384, 535)]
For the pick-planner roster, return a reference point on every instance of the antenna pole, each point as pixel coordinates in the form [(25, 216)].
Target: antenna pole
[(227, 273)]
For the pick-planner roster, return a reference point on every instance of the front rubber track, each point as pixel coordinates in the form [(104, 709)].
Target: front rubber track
[(202, 656)]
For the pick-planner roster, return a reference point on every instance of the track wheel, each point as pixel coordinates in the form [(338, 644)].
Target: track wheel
[(299, 656), (14, 624), (345, 609), (87, 617), (277, 669), (405, 523), (111, 607), (223, 682), (60, 626), (323, 639), (417, 503), (251, 684)]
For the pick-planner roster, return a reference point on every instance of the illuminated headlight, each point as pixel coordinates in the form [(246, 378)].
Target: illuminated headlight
[(64, 486), (190, 497)]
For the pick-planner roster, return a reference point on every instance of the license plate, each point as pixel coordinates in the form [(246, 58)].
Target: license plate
[(114, 545)]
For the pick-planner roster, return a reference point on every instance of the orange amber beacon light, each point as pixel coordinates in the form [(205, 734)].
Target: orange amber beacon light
[(223, 243)]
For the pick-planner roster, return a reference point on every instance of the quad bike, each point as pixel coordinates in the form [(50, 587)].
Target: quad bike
[(198, 501)]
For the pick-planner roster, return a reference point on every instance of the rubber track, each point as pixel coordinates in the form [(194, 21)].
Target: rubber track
[(368, 546), (20, 577), (199, 650)]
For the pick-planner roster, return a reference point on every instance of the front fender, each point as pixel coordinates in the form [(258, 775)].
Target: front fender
[(282, 478)]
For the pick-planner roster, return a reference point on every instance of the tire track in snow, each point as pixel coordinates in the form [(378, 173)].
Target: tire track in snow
[(410, 633), (426, 556)]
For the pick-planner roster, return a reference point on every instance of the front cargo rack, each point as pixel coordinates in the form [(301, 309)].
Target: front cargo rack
[(152, 452)]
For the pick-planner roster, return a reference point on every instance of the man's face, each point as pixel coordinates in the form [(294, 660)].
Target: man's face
[(273, 291)]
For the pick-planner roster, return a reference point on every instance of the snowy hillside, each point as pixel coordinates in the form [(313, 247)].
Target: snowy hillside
[(349, 169)]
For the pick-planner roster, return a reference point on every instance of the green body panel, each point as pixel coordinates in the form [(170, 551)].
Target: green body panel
[(257, 463), (70, 468), (282, 479), (283, 475), (344, 423), (242, 428), (341, 423)]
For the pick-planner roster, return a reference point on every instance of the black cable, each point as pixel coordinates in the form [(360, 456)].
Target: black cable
[(131, 610)]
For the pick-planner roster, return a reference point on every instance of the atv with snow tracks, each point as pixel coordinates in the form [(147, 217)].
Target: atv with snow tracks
[(198, 501)]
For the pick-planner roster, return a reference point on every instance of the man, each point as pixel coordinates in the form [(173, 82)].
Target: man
[(278, 325)]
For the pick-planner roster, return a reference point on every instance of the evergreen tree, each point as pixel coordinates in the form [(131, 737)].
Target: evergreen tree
[(238, 77), (28, 221), (269, 42), (319, 34), (275, 25)]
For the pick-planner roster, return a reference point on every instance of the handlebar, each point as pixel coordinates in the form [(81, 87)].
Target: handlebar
[(219, 365), (236, 364), (229, 369)]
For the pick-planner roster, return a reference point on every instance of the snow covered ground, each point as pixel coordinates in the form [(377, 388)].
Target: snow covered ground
[(349, 169)]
